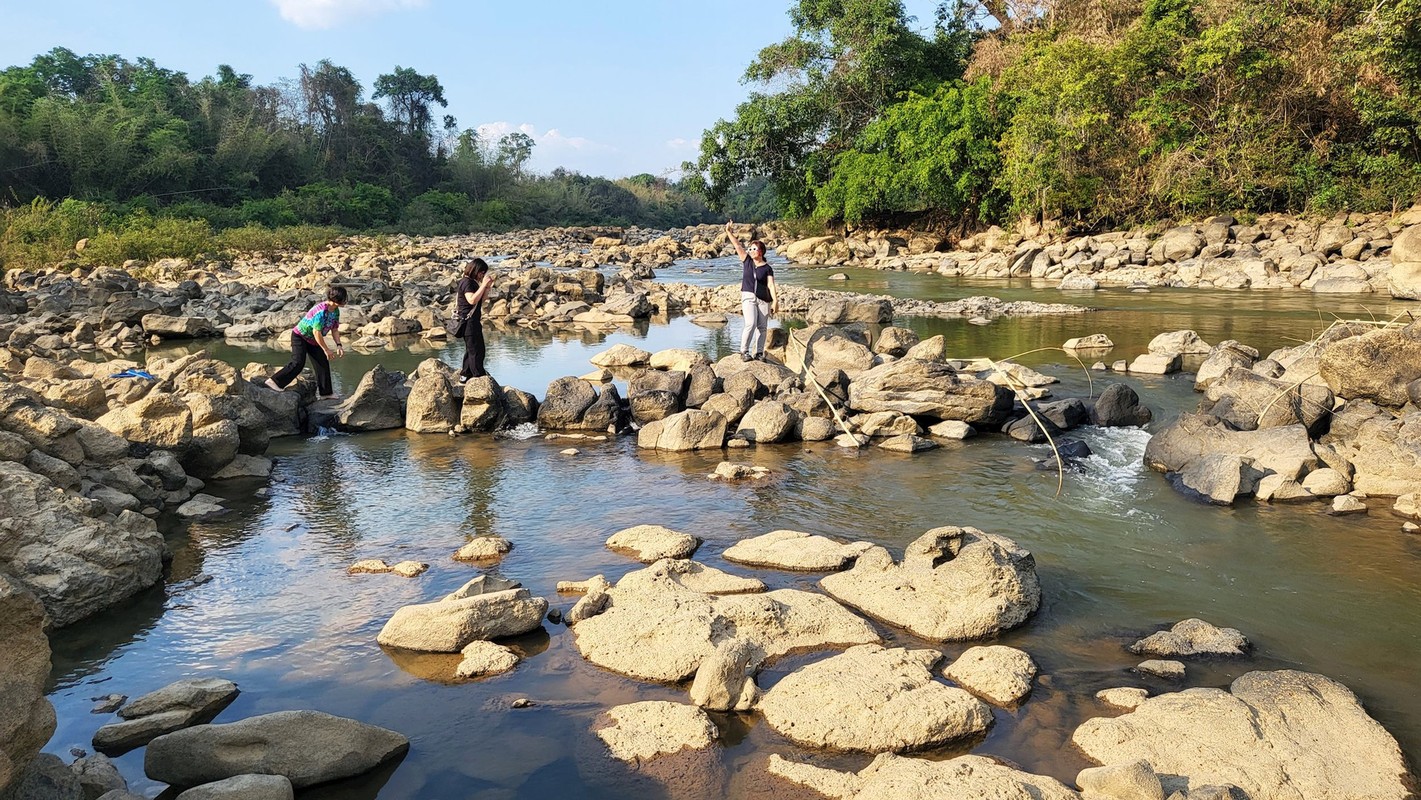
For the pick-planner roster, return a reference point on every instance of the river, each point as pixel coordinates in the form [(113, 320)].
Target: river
[(261, 596)]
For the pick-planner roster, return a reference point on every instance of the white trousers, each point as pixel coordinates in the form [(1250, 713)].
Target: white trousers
[(757, 318)]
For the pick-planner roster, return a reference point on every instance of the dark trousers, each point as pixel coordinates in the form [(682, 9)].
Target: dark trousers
[(473, 350), (300, 349)]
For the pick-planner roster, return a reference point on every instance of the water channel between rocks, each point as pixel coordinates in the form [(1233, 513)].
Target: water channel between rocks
[(261, 597)]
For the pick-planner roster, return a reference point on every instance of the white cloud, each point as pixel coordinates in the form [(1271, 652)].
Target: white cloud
[(680, 145), (553, 148), (328, 13)]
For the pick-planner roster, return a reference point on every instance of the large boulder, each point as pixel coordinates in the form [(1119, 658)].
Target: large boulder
[(243, 787), (829, 348), (307, 747), (1275, 735), (692, 429), (1249, 401), (26, 715), (565, 403), (900, 778), (621, 355), (1220, 478), (76, 563), (157, 420), (1177, 244), (1375, 366), (1224, 356), (1179, 343), (448, 625), (953, 584), (1404, 279), (656, 628), (1285, 450), (377, 404), (1192, 637), (930, 389), (431, 407), (873, 699), (1384, 450), (847, 309), (166, 327), (1119, 406), (999, 674), (484, 407), (767, 421)]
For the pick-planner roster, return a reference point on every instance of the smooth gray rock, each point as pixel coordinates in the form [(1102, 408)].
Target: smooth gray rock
[(26, 715), (930, 389), (447, 626), (308, 747), (198, 695), (243, 787), (378, 402)]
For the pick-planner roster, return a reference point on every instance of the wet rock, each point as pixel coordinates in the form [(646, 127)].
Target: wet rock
[(26, 716), (119, 737), (903, 778), (1347, 504), (952, 429), (202, 506), (953, 584), (75, 563), (566, 401), (1375, 366), (643, 731), (1123, 697), (929, 389), (307, 747), (692, 429), (725, 679), (482, 659), (1173, 670), (1326, 482), (449, 625), (766, 422), (1093, 342), (657, 629), (649, 543), (907, 443), (1155, 364), (98, 776), (1192, 637), (1285, 450), (244, 466), (1184, 343), (1220, 478), (378, 402), (1132, 781), (409, 569), (243, 787), (998, 674), (621, 355), (484, 548), (368, 566), (431, 406), (794, 550), (197, 696), (873, 699), (483, 407), (46, 778), (1274, 735), (732, 471)]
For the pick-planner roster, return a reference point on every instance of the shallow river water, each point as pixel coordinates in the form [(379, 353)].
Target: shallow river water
[(261, 597)]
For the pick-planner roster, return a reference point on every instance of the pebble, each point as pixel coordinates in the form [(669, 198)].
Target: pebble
[(571, 451)]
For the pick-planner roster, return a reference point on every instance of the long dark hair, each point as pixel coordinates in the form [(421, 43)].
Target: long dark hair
[(475, 267)]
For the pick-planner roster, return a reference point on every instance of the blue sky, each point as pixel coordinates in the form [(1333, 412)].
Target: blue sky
[(609, 89)]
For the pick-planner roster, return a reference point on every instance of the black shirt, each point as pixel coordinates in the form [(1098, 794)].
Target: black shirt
[(467, 286)]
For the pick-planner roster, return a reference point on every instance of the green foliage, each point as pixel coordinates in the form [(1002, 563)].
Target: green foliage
[(437, 213), (268, 241), (148, 239), (361, 206), (41, 232)]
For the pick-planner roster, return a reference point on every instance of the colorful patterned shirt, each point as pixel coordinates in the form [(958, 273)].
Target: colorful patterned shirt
[(323, 316)]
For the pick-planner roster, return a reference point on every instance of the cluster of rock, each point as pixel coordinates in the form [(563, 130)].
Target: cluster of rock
[(1337, 418), (1349, 253), (266, 757), (893, 389)]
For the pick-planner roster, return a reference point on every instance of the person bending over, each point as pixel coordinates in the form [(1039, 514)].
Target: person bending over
[(758, 297), (308, 339)]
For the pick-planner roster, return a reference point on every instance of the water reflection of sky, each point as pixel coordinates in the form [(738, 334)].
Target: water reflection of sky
[(262, 597)]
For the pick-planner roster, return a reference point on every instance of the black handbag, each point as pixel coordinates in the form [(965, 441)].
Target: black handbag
[(455, 325)]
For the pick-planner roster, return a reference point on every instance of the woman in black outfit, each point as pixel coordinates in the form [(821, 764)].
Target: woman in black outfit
[(470, 294)]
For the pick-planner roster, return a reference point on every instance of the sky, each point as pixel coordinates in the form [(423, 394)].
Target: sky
[(613, 89)]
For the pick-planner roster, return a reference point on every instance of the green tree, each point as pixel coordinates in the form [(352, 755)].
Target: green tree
[(410, 95)]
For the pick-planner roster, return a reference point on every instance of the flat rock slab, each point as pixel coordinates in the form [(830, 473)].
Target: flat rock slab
[(120, 737), (873, 699), (900, 778), (654, 628), (198, 695), (308, 747), (1173, 670), (998, 674), (695, 576), (643, 731), (449, 625), (795, 550), (648, 543), (953, 584), (484, 548), (1192, 637), (1276, 735), (1123, 696)]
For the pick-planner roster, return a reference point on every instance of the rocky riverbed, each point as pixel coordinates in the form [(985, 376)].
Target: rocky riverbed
[(97, 445)]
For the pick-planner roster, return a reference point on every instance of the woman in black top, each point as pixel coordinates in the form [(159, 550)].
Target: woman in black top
[(758, 299), (470, 294)]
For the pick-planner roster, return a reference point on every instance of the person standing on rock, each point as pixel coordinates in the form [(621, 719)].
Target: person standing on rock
[(758, 299), (308, 339), (468, 308)]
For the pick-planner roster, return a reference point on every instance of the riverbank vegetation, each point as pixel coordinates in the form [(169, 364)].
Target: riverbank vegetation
[(144, 162), (1094, 112)]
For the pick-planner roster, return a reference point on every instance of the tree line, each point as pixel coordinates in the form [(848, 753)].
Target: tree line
[(1093, 112), (100, 145)]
